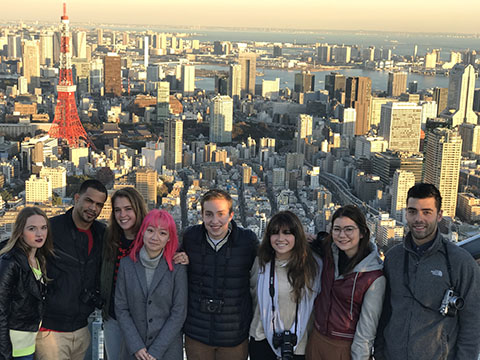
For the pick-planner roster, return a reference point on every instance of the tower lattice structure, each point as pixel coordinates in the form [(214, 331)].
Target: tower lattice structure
[(66, 124)]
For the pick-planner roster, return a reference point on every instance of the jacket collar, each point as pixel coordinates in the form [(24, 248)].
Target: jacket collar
[(34, 286), (160, 271), (436, 246), (93, 228)]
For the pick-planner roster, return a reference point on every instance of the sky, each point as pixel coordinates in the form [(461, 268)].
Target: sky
[(440, 16)]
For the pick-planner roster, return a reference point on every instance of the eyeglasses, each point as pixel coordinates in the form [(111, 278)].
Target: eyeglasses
[(347, 230)]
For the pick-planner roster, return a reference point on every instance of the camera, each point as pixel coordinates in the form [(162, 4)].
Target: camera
[(91, 298), (451, 303), (211, 306), (286, 341)]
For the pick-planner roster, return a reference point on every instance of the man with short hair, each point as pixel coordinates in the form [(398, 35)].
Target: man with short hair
[(219, 302), (431, 308), (73, 293)]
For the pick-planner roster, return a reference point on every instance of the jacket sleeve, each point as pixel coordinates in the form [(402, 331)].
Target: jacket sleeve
[(8, 278), (368, 321), (468, 339), (178, 314), (132, 338)]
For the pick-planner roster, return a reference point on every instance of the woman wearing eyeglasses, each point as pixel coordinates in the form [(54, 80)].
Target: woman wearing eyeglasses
[(348, 308)]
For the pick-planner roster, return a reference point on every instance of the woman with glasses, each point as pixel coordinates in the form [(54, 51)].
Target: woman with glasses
[(348, 308)]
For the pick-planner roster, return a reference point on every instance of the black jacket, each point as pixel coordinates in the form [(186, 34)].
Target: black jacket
[(212, 276), (21, 298), (72, 272)]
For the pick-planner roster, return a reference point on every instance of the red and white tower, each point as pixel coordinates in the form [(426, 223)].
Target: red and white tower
[(66, 124)]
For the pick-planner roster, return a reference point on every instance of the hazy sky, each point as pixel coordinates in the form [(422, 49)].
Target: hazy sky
[(389, 15)]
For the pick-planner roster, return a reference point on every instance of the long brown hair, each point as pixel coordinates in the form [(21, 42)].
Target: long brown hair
[(302, 267), (114, 231), (16, 240), (356, 215)]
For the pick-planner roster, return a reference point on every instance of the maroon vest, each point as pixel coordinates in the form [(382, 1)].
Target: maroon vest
[(336, 316)]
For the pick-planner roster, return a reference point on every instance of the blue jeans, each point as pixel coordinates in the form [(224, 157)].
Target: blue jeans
[(26, 357)]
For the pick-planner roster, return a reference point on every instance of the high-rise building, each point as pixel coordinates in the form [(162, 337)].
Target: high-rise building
[(57, 177), (146, 49), (277, 51), (470, 134), (303, 131), (14, 47), (342, 54), (349, 118), (400, 125), (429, 111), (476, 100), (304, 82), (461, 87), (376, 109), (146, 184), (246, 173), (431, 60), (163, 101), (440, 96), (188, 79), (397, 83), (173, 134), (335, 85), (46, 49), (442, 165), (270, 88), (38, 190), (112, 72), (31, 63), (385, 163), (402, 182), (324, 53), (125, 38), (358, 94), (99, 36), (221, 122), (80, 44), (248, 65), (235, 82)]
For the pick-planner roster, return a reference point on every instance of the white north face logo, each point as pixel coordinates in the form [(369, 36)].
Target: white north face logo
[(437, 273)]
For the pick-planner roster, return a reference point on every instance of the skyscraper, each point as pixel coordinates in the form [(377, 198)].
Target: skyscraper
[(221, 122), (46, 49), (358, 94), (440, 96), (397, 83), (31, 63), (146, 184), (461, 87), (402, 182), (173, 133), (335, 85), (188, 79), (248, 64), (304, 130), (442, 165), (163, 101), (112, 72), (304, 82), (99, 36), (80, 44), (400, 125), (235, 82), (14, 47), (324, 53)]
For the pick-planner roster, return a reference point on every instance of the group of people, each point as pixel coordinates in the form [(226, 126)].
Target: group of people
[(222, 294)]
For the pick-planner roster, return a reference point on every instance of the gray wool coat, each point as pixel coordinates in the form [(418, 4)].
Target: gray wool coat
[(151, 319)]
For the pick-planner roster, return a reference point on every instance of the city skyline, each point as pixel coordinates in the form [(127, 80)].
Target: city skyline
[(371, 15)]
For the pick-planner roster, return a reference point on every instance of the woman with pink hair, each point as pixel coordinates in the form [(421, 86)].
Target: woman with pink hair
[(151, 292)]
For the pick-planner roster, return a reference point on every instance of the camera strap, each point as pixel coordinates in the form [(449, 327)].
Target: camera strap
[(271, 289), (406, 275)]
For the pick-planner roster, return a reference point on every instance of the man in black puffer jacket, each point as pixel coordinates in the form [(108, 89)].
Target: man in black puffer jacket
[(73, 293), (219, 302)]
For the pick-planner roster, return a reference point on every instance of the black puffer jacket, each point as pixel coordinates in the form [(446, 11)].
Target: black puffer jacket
[(21, 298), (72, 270), (212, 276)]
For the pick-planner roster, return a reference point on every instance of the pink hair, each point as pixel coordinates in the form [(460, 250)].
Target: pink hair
[(157, 218)]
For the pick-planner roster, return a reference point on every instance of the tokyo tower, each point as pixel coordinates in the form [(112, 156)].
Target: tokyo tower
[(66, 124)]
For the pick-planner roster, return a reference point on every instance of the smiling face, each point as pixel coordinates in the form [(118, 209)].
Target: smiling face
[(87, 207), (35, 231), (282, 243), (155, 238), (346, 235), (125, 216), (216, 217), (422, 219)]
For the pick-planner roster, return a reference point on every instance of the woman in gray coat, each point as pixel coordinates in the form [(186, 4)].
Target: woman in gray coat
[(151, 293)]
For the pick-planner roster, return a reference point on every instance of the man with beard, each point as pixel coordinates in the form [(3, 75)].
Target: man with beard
[(433, 290), (74, 270)]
